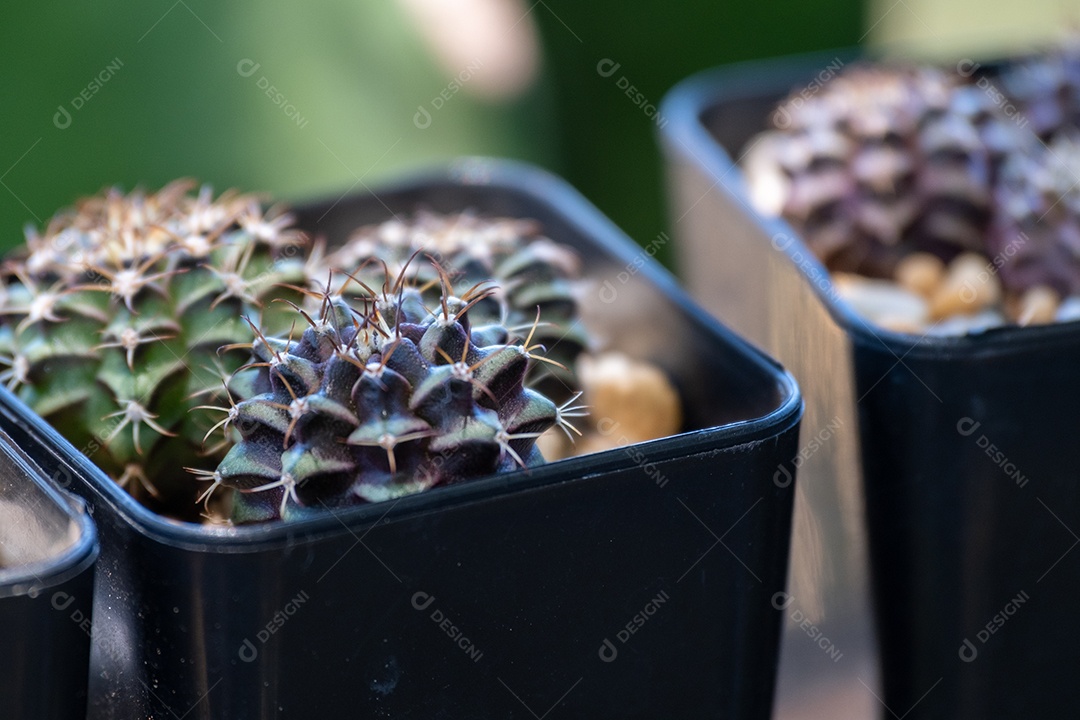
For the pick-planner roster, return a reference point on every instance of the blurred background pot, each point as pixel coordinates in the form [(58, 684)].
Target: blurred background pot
[(964, 445)]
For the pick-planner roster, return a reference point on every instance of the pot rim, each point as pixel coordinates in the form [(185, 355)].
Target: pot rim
[(547, 189), (30, 578)]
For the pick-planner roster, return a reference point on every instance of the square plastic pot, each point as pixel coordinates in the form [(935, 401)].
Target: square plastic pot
[(633, 583), (48, 546), (965, 445)]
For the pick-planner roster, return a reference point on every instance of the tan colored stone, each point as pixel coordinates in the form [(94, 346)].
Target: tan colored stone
[(921, 273), (1038, 306), (882, 302), (594, 442), (553, 445), (971, 285), (629, 398)]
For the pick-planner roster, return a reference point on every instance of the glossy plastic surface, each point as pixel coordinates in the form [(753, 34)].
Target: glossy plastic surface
[(48, 545), (633, 583), (963, 446)]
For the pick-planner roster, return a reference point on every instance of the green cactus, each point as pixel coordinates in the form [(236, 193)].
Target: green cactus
[(535, 278), (111, 321), (380, 397)]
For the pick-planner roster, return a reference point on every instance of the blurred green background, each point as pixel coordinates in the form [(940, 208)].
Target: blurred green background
[(307, 99)]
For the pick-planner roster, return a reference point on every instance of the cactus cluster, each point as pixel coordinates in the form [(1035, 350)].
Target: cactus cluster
[(533, 277), (175, 337), (381, 396), (1045, 89), (1036, 229), (111, 319), (884, 163)]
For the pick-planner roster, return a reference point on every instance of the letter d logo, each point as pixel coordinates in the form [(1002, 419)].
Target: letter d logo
[(62, 600), (608, 652), (422, 601), (62, 118), (782, 118), (782, 477), (967, 67), (248, 651), (781, 241), (968, 652), (607, 67), (247, 67), (422, 118), (62, 478), (782, 600), (606, 426), (967, 426)]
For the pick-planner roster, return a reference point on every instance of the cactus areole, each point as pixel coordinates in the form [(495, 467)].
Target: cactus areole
[(113, 316), (380, 397)]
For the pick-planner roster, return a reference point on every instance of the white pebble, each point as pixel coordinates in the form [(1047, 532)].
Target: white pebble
[(1069, 309), (883, 302), (968, 324)]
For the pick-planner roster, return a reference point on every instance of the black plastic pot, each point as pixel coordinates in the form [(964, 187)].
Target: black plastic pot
[(967, 443), (634, 583), (47, 550)]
